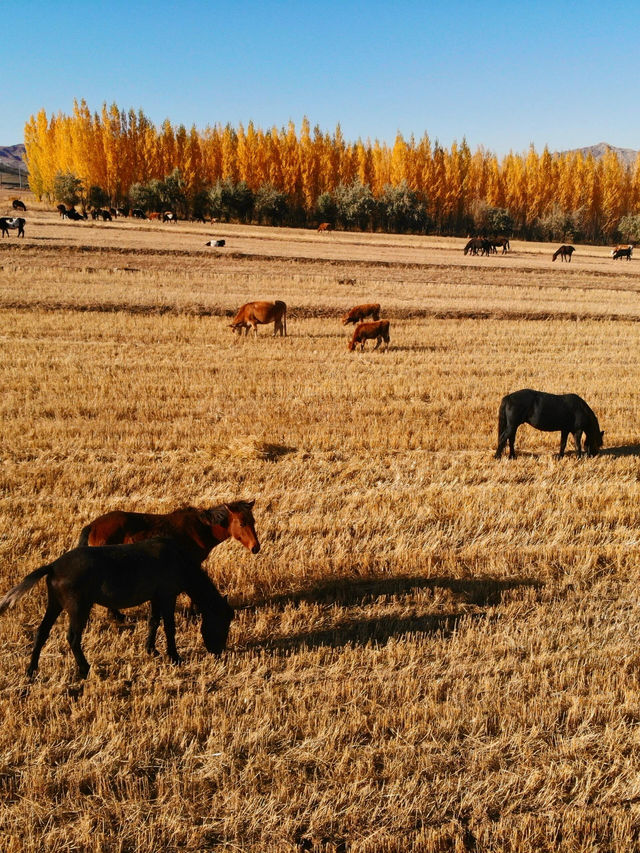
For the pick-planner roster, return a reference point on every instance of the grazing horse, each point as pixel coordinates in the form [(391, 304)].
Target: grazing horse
[(253, 313), (115, 576), (325, 226), (565, 253), (359, 312), (16, 204), (622, 252), (62, 210), (199, 531), (217, 244), (478, 245), (364, 332), (169, 216), (566, 413), (500, 242), (137, 213), (6, 223)]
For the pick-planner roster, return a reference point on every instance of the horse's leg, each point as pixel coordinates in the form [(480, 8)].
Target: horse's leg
[(577, 437), (78, 618), (153, 623), (51, 614), (564, 435), (512, 443), (378, 342), (169, 623)]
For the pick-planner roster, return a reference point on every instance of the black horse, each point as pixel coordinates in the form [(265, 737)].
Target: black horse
[(16, 204), (566, 413), (155, 570)]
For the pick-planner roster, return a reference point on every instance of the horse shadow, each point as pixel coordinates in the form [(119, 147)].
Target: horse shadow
[(482, 592), (621, 450)]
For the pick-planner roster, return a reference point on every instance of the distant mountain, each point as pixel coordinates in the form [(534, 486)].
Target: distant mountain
[(12, 158), (627, 156)]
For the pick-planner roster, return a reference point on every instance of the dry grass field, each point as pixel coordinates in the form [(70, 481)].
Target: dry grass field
[(433, 651)]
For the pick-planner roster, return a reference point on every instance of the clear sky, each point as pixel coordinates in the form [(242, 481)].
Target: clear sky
[(501, 74)]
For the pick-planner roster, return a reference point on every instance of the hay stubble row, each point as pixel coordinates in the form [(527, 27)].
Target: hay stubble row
[(433, 650)]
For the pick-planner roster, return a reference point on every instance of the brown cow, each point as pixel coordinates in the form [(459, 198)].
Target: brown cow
[(359, 312), (253, 313), (364, 332), (325, 226)]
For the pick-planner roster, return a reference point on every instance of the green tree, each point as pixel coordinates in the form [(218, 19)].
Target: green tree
[(401, 210), (67, 188), (355, 204), (271, 205), (97, 197), (629, 228)]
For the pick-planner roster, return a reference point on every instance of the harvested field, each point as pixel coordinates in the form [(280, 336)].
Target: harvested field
[(433, 651)]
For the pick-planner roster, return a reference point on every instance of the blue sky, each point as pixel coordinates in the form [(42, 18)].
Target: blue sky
[(503, 75)]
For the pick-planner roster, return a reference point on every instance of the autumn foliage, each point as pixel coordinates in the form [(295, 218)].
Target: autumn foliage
[(412, 185)]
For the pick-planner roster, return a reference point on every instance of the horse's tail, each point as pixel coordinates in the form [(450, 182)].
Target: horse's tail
[(83, 542), (14, 595), (502, 417)]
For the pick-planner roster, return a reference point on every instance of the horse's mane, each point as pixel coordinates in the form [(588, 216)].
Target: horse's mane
[(219, 514)]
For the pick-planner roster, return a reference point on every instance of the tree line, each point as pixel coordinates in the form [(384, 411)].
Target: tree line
[(290, 177)]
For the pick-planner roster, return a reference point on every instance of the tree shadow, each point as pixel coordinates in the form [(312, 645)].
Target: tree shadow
[(621, 450)]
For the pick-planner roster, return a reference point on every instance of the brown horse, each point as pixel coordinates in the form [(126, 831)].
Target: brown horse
[(565, 253), (199, 530), (115, 576), (325, 226)]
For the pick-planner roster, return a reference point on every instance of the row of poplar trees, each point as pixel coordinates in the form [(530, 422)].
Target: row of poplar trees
[(539, 194)]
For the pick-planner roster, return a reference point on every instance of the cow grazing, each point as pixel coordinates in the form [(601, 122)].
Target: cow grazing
[(16, 204), (74, 216), (359, 312), (215, 243), (378, 329), (7, 222), (169, 216), (622, 252), (254, 313), (325, 226), (62, 210), (137, 213)]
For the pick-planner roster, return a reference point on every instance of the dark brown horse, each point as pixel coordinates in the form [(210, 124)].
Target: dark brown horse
[(115, 576), (565, 253)]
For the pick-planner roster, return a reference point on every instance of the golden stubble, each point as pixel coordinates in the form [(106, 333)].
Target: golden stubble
[(433, 650)]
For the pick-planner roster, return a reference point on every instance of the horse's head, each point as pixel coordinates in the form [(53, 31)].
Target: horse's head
[(242, 525), (216, 621), (594, 442)]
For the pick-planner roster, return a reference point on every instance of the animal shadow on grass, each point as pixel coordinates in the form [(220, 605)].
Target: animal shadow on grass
[(480, 592), (622, 450)]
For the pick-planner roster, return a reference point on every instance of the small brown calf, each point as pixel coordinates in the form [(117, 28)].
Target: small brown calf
[(359, 312), (253, 313), (364, 332)]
